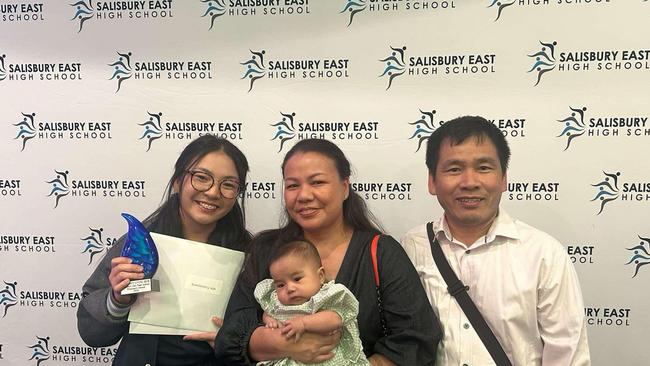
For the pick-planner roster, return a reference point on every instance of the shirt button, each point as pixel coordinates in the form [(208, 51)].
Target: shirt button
[(467, 252), (465, 364), (147, 364), (466, 326)]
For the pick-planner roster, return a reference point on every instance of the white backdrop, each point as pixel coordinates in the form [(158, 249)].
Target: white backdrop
[(360, 72)]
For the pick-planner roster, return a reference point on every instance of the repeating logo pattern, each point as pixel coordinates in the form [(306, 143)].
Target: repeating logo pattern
[(83, 11), (254, 68), (152, 129), (8, 297), (500, 5), (607, 189), (394, 64), (285, 129), (40, 350), (353, 7), (215, 9), (424, 127), (639, 255), (26, 129), (122, 69), (544, 59), (574, 125), (59, 186), (95, 243)]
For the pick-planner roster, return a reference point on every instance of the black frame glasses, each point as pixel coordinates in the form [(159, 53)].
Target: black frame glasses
[(201, 181)]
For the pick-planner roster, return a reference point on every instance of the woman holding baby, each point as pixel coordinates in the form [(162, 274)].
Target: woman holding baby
[(322, 209)]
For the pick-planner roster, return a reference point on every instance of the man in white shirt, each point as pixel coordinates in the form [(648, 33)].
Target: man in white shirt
[(520, 278)]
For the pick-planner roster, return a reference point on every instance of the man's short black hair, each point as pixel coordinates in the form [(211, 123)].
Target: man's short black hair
[(460, 129)]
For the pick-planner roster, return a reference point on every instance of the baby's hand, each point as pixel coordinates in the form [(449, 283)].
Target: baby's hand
[(269, 322), (293, 327)]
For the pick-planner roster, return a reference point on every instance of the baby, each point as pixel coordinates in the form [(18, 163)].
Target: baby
[(297, 300)]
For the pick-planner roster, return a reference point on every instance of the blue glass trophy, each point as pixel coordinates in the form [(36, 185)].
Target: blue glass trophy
[(139, 246)]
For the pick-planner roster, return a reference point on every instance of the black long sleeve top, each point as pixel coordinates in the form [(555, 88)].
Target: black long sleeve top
[(414, 331)]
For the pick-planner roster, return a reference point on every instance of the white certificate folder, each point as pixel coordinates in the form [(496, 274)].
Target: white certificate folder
[(196, 281)]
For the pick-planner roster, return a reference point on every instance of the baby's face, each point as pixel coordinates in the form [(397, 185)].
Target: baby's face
[(296, 279)]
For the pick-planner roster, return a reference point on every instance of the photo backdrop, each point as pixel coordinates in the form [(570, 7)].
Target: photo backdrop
[(98, 99)]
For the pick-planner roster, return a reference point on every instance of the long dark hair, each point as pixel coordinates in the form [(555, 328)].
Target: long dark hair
[(355, 210), (230, 230)]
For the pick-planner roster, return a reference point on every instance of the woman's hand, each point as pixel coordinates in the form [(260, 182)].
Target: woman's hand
[(206, 336), (122, 272), (315, 348)]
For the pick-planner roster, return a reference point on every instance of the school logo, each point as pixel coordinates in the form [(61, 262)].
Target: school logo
[(59, 187), (215, 9), (543, 60), (3, 68), (9, 187), (245, 8), (8, 297), (63, 185), (577, 124), (121, 69), (573, 125), (41, 350), (424, 127), (435, 65), (550, 58), (254, 68), (113, 10), (260, 64), (125, 67), (46, 349), (288, 128), (26, 129), (352, 7), (639, 255), (83, 11), (29, 128), (285, 129), (96, 242), (608, 316), (383, 191), (21, 12), (607, 190), (154, 128), (533, 191), (394, 65), (499, 5), (45, 71), (581, 253)]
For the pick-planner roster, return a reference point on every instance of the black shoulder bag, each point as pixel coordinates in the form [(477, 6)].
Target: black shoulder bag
[(458, 290)]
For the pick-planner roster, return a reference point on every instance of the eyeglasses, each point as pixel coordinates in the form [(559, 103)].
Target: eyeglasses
[(202, 182)]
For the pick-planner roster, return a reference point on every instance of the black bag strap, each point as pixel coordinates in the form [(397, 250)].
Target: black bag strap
[(459, 291), (375, 268)]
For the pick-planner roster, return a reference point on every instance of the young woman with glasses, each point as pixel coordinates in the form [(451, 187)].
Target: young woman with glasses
[(202, 204)]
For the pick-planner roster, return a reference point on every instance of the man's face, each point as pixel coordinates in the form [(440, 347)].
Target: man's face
[(468, 183)]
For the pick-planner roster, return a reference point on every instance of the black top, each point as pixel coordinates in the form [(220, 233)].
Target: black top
[(414, 331)]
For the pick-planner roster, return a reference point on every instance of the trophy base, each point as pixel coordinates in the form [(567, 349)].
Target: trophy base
[(139, 286)]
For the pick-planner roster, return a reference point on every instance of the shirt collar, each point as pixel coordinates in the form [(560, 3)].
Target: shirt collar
[(503, 226)]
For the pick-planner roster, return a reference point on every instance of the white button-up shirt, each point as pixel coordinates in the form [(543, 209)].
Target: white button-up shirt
[(522, 282)]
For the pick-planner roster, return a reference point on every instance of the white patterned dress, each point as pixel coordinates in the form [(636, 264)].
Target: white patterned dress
[(332, 296)]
